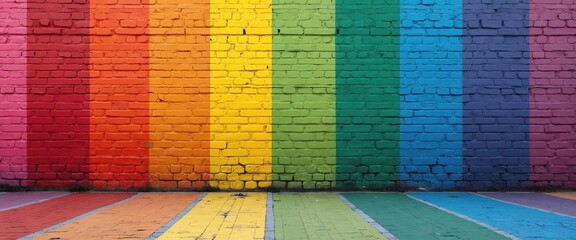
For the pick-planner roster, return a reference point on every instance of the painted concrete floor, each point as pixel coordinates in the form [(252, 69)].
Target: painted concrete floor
[(365, 215)]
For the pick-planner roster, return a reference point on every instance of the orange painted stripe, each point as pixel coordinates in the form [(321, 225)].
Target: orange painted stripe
[(179, 93), (119, 94), (137, 218)]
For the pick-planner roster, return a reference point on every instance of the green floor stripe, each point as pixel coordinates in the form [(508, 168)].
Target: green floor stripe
[(318, 216), (368, 219), (407, 218)]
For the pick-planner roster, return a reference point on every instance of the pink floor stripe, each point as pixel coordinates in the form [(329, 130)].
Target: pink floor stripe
[(19, 199), (553, 92), (13, 135)]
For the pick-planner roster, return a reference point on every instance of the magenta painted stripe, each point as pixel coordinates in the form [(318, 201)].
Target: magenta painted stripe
[(538, 200), (13, 92), (552, 91), (20, 199)]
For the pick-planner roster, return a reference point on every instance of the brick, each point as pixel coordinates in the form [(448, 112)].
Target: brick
[(307, 95)]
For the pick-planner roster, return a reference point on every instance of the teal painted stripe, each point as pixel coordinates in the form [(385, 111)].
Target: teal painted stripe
[(522, 222), (431, 88), (407, 218), (367, 93), (303, 100)]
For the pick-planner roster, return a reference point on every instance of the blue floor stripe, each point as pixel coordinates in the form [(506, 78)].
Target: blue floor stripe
[(522, 222)]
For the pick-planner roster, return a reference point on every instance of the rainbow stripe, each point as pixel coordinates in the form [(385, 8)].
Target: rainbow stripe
[(240, 100), (179, 139), (430, 87), (552, 116), (304, 147), (119, 87), (286, 94), (367, 94), (256, 215), (58, 82), (496, 108), (13, 94)]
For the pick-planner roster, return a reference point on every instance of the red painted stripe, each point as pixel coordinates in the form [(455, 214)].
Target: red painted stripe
[(552, 94), (58, 80), (119, 94), (26, 220)]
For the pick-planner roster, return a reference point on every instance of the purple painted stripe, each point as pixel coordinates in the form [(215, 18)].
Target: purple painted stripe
[(495, 89), (19, 199), (13, 135), (538, 200)]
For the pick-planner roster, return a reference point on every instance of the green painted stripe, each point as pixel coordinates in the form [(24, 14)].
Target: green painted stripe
[(318, 216), (407, 218), (303, 100), (367, 93)]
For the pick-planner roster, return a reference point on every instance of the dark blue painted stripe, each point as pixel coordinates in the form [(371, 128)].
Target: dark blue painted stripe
[(522, 222), (431, 102), (496, 93)]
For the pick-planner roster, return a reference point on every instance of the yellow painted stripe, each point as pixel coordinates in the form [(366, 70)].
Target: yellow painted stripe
[(567, 195), (179, 93), (223, 216), (240, 100)]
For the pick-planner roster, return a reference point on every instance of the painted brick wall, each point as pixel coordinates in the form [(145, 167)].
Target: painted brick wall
[(315, 94)]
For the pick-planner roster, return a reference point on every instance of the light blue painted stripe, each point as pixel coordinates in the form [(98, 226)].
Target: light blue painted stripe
[(430, 89), (522, 222), (269, 233)]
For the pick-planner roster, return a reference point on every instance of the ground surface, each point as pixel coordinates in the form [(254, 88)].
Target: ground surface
[(417, 215)]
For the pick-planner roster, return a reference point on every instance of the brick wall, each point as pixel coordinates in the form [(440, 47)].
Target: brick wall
[(317, 94)]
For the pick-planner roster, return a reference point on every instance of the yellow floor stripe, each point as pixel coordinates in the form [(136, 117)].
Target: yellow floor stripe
[(240, 94), (568, 195), (223, 216)]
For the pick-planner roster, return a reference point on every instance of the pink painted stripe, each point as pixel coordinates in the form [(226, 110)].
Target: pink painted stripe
[(552, 93), (13, 135), (20, 199)]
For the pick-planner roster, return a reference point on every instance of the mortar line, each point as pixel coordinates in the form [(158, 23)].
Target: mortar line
[(175, 219), (368, 219), (77, 218), (269, 231), (495, 229)]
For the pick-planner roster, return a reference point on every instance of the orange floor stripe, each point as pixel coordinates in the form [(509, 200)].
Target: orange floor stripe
[(137, 218), (568, 195)]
